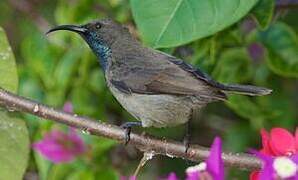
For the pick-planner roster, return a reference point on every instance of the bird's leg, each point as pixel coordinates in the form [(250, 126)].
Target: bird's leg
[(187, 136), (127, 126)]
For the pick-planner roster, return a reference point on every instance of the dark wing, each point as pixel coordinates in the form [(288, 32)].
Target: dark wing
[(157, 73)]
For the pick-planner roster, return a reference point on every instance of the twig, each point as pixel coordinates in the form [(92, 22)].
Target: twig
[(143, 143)]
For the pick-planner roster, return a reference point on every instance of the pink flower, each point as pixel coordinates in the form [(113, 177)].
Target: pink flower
[(172, 176), (60, 147), (68, 107), (130, 178), (212, 168)]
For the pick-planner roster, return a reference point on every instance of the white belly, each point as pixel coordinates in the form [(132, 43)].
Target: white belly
[(156, 110)]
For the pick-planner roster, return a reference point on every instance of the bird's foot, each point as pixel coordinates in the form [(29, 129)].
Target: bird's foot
[(186, 142), (127, 126), (187, 136)]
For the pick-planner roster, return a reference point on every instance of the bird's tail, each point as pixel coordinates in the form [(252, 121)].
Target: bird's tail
[(245, 89)]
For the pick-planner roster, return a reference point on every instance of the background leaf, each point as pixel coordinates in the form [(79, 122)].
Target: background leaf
[(282, 44), (233, 66), (263, 12), (8, 71), (170, 23), (14, 149)]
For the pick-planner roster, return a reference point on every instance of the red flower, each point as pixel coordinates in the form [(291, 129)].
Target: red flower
[(279, 142), (254, 175)]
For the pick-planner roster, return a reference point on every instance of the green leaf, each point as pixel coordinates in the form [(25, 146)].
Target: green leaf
[(41, 62), (8, 71), (61, 171), (170, 23), (233, 66), (263, 13), (83, 174), (83, 101), (282, 44), (244, 107), (14, 150), (66, 67), (43, 166)]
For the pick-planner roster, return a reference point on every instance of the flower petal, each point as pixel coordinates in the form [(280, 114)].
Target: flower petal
[(53, 152), (132, 178), (267, 171), (172, 176), (193, 175), (294, 158), (59, 147), (296, 139), (254, 175), (122, 178), (265, 142), (77, 141), (214, 162), (282, 142), (68, 107)]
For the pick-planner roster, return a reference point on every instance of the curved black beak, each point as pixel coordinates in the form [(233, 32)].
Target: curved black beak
[(74, 28)]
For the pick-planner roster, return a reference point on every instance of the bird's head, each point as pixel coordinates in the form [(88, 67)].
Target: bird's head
[(104, 31), (100, 35)]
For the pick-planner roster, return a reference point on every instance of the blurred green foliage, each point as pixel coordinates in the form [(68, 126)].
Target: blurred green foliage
[(54, 69)]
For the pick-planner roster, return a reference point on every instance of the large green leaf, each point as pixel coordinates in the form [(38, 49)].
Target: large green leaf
[(282, 44), (14, 149), (8, 71), (263, 12), (170, 23)]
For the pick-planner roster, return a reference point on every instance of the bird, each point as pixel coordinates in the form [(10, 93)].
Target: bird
[(157, 89)]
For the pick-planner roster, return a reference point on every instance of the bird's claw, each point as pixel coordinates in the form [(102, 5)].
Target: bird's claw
[(127, 126), (127, 135), (186, 142)]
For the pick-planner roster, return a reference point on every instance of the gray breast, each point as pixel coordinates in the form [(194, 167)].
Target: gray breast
[(157, 110)]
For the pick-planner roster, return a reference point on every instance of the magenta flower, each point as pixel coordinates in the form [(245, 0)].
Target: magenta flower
[(172, 176), (68, 107), (281, 167), (60, 147), (130, 178), (212, 168)]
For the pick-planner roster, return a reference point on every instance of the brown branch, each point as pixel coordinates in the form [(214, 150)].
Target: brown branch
[(143, 143)]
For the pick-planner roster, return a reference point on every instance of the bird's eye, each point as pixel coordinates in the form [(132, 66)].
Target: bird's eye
[(98, 26)]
